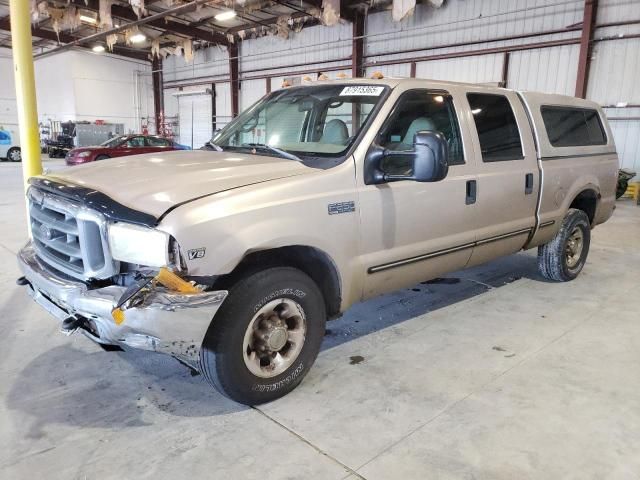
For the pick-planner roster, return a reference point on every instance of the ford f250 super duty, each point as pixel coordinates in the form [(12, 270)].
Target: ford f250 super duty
[(317, 197)]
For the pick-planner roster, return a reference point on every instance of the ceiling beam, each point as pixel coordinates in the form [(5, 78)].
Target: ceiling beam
[(266, 22), (182, 29), (151, 19), (66, 38)]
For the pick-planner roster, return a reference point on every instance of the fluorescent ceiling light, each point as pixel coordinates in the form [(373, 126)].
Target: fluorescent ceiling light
[(137, 38), (228, 15), (98, 49), (86, 19)]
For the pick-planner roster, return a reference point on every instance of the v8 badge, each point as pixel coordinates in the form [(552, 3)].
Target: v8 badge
[(196, 253)]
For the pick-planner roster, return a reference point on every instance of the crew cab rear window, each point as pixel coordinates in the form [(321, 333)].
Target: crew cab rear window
[(497, 127), (572, 127)]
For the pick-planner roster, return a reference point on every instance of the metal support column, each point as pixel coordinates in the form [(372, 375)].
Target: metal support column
[(588, 26), (214, 111), (357, 52), (505, 70), (234, 78), (25, 88), (158, 93)]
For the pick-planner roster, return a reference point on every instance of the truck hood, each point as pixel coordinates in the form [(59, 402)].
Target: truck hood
[(153, 183)]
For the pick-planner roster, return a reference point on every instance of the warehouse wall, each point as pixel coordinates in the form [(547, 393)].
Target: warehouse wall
[(76, 85), (615, 69), (464, 30), (8, 112)]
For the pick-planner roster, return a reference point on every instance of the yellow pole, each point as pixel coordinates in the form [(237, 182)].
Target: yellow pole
[(20, 16)]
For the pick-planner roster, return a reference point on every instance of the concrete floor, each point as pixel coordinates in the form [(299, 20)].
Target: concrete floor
[(493, 374)]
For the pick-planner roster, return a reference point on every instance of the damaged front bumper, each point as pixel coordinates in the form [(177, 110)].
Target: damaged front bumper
[(165, 321)]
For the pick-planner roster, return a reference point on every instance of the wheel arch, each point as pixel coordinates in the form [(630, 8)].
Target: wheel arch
[(311, 260), (587, 201)]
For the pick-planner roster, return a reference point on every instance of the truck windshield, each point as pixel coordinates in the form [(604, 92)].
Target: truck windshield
[(304, 122)]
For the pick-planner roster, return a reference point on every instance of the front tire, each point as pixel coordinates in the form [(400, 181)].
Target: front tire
[(265, 337), (563, 258), (14, 154), (102, 157)]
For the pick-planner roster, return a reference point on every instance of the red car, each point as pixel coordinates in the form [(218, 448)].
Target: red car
[(122, 146)]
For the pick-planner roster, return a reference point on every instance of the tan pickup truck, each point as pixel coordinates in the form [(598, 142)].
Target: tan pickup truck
[(232, 258)]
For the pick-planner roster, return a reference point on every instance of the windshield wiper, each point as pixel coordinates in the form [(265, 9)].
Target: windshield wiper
[(212, 146), (280, 152)]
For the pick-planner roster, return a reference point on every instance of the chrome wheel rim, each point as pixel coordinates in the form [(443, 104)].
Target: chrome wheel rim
[(15, 156), (573, 250), (274, 338)]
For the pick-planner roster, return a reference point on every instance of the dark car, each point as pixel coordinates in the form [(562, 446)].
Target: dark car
[(122, 146)]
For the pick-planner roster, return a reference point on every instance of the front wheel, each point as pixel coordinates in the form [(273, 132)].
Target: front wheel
[(564, 256), (265, 336), (14, 154)]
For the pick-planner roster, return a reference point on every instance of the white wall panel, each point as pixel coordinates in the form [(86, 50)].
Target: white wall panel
[(316, 45), (54, 87), (469, 20), (8, 106), (212, 61), (550, 70), (617, 10), (626, 134), (195, 117), (223, 104), (615, 69), (251, 91), (81, 86), (398, 71), (478, 69)]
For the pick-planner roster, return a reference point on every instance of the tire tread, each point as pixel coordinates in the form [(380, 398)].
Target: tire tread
[(551, 255)]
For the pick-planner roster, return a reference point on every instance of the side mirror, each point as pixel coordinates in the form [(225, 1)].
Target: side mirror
[(428, 160)]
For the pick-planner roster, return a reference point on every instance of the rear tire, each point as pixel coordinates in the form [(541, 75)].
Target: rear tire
[(265, 336), (14, 154), (563, 258)]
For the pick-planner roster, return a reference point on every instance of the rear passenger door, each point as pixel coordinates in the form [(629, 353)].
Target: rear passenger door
[(507, 173)]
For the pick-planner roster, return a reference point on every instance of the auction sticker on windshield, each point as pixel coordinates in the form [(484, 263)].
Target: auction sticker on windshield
[(367, 90)]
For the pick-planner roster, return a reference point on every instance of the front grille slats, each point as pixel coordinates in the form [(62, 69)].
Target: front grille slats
[(63, 225), (70, 239), (75, 269), (60, 244)]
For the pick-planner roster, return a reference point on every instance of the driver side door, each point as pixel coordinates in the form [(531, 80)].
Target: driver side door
[(412, 231)]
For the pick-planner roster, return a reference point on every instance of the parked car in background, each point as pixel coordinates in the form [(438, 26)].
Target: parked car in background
[(10, 145), (122, 146)]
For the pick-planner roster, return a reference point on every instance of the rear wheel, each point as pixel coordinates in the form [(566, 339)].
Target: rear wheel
[(563, 258), (14, 154), (265, 337)]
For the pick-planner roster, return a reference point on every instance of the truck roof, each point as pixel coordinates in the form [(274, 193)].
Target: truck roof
[(550, 98)]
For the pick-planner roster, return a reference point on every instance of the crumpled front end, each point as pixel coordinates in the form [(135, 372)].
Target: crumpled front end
[(154, 318)]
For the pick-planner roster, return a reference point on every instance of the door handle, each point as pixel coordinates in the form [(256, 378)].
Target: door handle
[(528, 183), (472, 189)]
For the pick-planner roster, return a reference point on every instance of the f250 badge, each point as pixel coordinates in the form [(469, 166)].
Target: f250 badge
[(342, 207), (196, 253)]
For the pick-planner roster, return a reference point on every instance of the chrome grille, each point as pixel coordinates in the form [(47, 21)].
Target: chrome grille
[(70, 238)]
